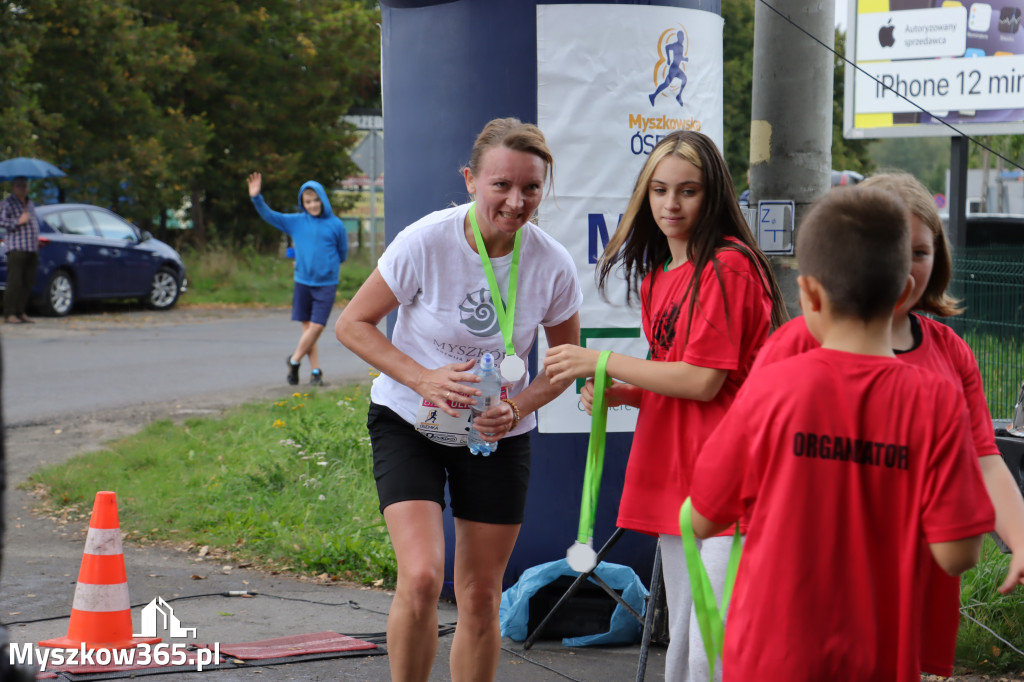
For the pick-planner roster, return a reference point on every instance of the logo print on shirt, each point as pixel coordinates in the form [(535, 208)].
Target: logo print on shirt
[(664, 331), (477, 312)]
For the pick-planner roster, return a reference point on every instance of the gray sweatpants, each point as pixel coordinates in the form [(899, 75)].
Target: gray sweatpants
[(685, 660)]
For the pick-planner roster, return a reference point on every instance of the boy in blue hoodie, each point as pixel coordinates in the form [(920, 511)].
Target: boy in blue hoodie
[(321, 246)]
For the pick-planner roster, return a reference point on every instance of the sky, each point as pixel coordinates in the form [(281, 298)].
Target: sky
[(841, 9)]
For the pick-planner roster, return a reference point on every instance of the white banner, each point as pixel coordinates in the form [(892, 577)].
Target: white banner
[(611, 81)]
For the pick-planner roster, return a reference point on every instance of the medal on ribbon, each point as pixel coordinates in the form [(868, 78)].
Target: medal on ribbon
[(581, 555), (512, 367)]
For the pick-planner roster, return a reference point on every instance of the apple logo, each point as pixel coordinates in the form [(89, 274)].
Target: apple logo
[(885, 37)]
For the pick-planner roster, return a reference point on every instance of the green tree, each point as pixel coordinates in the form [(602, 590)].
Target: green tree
[(22, 116), (926, 158), (94, 70), (272, 82), (738, 70), (852, 155), (150, 106)]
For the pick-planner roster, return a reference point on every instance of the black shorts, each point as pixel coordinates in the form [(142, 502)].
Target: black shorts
[(409, 466)]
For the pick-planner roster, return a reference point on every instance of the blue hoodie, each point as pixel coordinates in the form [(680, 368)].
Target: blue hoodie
[(321, 244)]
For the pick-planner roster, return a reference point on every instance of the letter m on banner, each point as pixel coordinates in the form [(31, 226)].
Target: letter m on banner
[(597, 235)]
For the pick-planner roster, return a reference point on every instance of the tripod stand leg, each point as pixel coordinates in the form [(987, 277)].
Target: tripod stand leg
[(572, 588), (652, 600)]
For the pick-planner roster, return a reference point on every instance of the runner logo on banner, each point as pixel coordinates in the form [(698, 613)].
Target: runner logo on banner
[(610, 84)]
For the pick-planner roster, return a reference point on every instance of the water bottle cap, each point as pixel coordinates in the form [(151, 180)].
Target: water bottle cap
[(487, 361)]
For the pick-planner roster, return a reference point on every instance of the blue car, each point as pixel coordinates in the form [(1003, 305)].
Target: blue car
[(88, 252)]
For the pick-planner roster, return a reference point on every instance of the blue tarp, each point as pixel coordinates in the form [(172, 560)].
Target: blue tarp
[(514, 613)]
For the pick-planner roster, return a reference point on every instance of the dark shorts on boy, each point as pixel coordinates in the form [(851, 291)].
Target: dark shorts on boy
[(409, 466), (312, 304)]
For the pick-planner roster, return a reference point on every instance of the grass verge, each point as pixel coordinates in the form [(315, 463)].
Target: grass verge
[(233, 275), (286, 486), (977, 648)]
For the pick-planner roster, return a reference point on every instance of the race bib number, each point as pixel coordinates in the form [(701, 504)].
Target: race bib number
[(440, 427)]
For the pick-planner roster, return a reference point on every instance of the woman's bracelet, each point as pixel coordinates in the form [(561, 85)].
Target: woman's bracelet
[(515, 412)]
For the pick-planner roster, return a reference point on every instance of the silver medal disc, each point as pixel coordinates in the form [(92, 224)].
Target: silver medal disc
[(513, 368), (581, 557)]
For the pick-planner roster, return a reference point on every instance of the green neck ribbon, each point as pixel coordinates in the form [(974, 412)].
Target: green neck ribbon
[(710, 616), (595, 452), (506, 316)]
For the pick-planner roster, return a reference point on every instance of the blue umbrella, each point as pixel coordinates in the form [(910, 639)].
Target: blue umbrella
[(24, 167)]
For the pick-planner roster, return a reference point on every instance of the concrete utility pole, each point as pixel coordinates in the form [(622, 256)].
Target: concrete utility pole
[(791, 113)]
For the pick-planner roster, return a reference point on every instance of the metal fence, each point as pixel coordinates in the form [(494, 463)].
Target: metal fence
[(990, 282)]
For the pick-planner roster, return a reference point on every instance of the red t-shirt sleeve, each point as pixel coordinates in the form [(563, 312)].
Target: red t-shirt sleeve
[(724, 481), (788, 340), (955, 503), (974, 394), (724, 311)]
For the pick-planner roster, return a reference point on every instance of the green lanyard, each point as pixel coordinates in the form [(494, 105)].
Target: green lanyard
[(595, 452), (710, 617), (506, 316)]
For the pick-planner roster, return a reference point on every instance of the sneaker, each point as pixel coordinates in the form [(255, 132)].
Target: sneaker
[(293, 372), (316, 378)]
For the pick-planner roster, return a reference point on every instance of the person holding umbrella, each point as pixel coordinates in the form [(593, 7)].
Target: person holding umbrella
[(18, 219)]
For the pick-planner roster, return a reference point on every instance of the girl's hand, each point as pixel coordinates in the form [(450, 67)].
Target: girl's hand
[(615, 395), (255, 181), (495, 423), (568, 362), (587, 395), (1015, 574), (446, 384)]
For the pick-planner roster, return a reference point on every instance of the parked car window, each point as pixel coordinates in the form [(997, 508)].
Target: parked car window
[(72, 222), (113, 227)]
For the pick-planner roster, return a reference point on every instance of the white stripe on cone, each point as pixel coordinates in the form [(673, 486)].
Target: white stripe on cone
[(103, 541), (101, 598)]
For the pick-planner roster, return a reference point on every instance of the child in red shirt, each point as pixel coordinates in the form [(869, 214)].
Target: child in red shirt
[(924, 342), (708, 301), (850, 493)]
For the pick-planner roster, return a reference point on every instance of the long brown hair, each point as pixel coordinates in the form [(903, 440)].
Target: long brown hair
[(639, 247)]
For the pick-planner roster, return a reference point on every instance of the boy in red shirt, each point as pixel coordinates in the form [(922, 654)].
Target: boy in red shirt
[(853, 468)]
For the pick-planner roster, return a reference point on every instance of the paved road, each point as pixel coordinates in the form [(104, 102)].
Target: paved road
[(116, 359)]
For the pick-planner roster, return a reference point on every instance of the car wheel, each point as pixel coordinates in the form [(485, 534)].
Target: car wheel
[(59, 296), (164, 293)]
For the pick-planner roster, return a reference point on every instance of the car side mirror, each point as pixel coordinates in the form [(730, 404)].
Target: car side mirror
[(146, 235)]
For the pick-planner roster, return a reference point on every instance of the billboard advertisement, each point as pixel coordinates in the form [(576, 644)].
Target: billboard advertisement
[(610, 84), (923, 64)]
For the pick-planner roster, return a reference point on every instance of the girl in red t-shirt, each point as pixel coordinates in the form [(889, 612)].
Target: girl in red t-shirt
[(709, 300)]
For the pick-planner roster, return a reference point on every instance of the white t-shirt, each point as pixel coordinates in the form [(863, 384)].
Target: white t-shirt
[(446, 313)]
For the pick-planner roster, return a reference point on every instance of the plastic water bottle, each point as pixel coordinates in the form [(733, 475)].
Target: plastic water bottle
[(490, 384)]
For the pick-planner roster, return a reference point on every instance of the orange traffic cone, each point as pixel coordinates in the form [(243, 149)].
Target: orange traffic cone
[(101, 616)]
